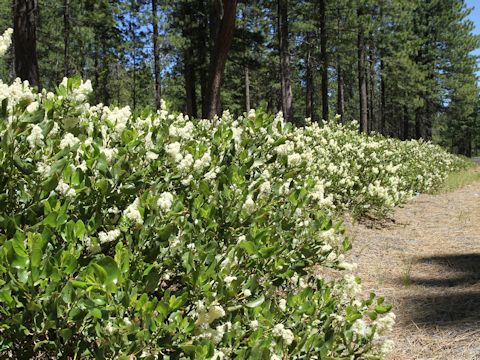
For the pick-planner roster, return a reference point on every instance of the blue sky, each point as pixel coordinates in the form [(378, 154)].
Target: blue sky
[(475, 16)]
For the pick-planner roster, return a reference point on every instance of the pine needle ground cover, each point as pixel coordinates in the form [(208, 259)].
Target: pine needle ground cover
[(156, 236)]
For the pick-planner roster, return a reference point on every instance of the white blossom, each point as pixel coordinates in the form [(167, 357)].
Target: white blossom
[(132, 212), (165, 201), (65, 189), (69, 140), (109, 236), (5, 41), (279, 330), (32, 107), (36, 136), (249, 205), (229, 279)]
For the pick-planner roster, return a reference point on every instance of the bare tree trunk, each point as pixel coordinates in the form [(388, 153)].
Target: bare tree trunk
[(418, 123), (383, 129), (372, 120), (324, 57), (25, 40), (309, 79), (96, 67), (106, 75), (247, 89), (190, 83), (406, 124), (218, 60), (156, 55), (340, 76), (362, 81), (287, 96), (340, 93), (66, 38), (202, 43)]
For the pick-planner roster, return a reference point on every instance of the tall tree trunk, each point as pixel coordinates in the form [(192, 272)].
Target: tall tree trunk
[(309, 113), (218, 60), (428, 120), (66, 38), (156, 55), (96, 68), (25, 40), (340, 93), (287, 96), (106, 75), (418, 123), (202, 42), (134, 56), (383, 124), (406, 124), (340, 76), (324, 57), (362, 81), (247, 89), (190, 83), (372, 119)]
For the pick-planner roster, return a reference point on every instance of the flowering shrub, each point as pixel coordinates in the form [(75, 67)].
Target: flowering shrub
[(157, 236)]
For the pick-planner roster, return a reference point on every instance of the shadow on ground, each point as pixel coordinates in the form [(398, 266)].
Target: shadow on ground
[(459, 270), (451, 296)]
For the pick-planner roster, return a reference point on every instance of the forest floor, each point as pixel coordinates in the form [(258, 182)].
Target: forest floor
[(425, 260)]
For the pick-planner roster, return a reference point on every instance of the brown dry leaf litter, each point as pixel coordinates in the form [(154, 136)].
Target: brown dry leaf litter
[(425, 260)]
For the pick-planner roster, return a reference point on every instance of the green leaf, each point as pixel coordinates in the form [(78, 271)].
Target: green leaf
[(248, 246), (51, 220), (113, 275), (257, 302), (17, 254), (37, 245), (383, 309), (96, 313), (79, 229)]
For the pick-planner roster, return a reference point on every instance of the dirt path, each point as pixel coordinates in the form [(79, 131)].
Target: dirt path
[(426, 261)]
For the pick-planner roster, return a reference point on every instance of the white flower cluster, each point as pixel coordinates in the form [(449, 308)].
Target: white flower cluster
[(69, 140), (65, 189), (36, 136), (279, 330), (109, 236), (5, 41), (165, 201), (132, 212)]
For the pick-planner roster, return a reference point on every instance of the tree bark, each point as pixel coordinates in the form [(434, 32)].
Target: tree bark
[(309, 80), (418, 123), (25, 40), (340, 76), (287, 97), (218, 60), (66, 38), (382, 99), (324, 57), (247, 89), (106, 76), (190, 83), (340, 92), (96, 67), (362, 81), (406, 124), (372, 118), (202, 46), (156, 55)]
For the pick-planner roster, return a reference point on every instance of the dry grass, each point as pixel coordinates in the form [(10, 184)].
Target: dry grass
[(426, 260), (461, 179)]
